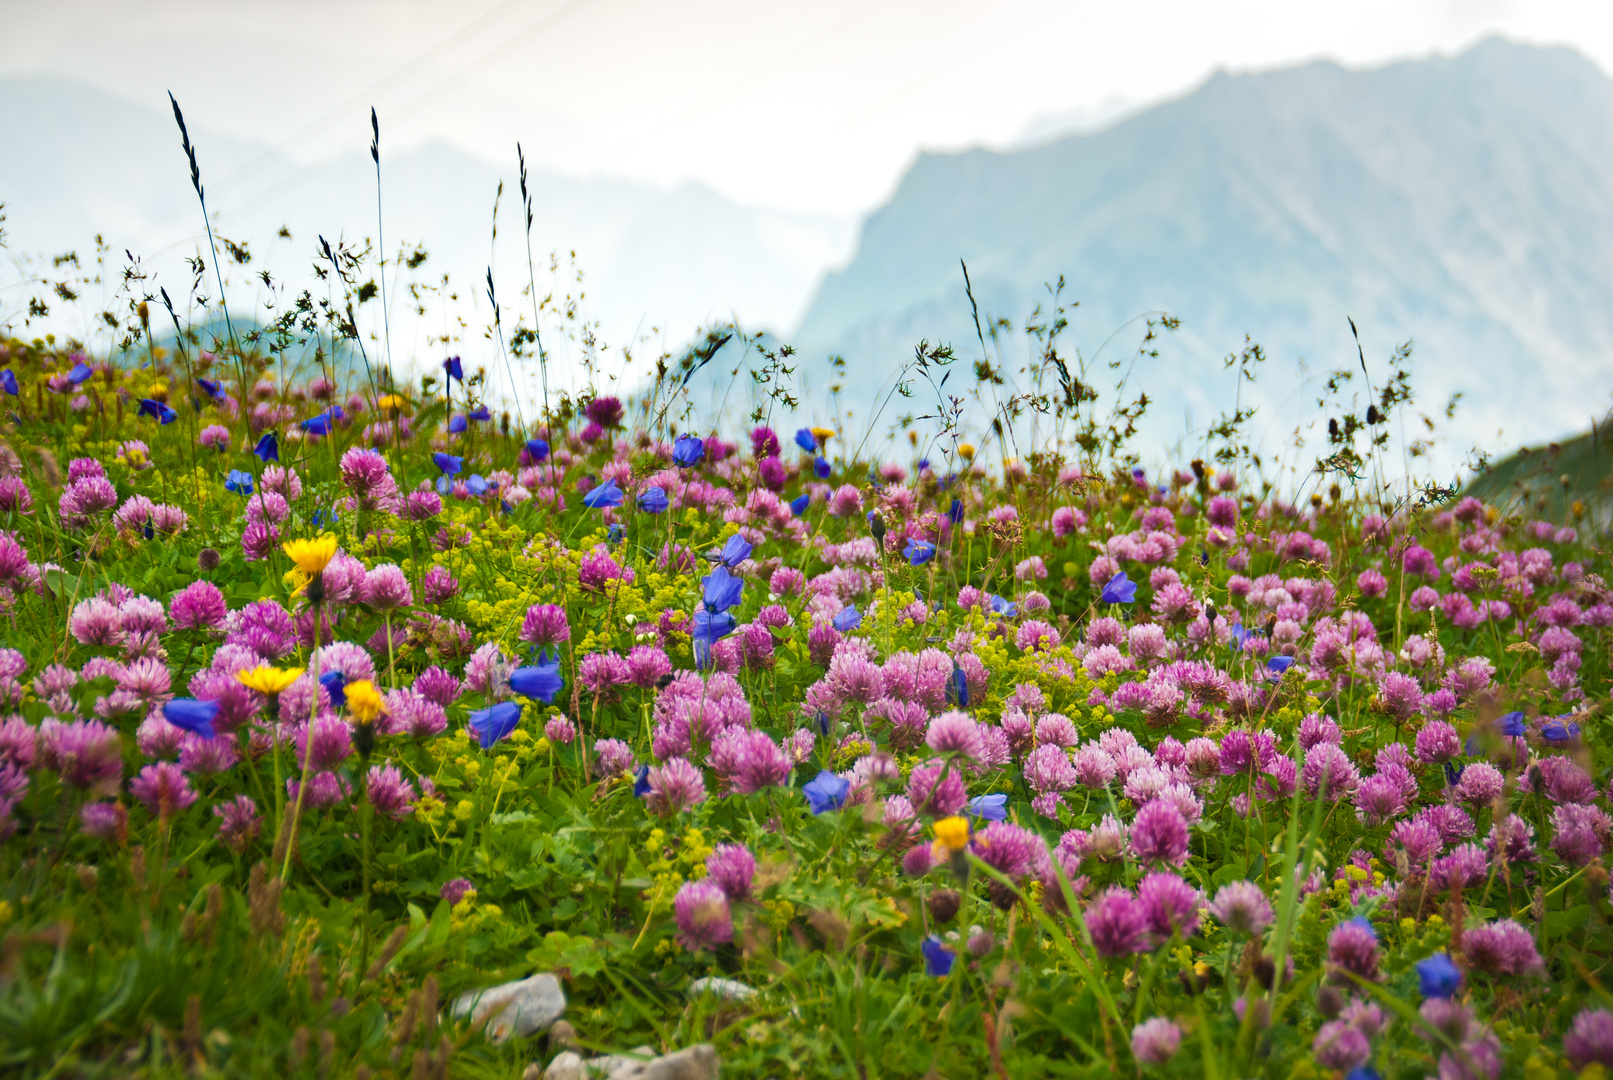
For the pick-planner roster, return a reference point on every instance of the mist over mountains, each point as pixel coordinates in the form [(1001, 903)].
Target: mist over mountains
[(75, 161), (1465, 204)]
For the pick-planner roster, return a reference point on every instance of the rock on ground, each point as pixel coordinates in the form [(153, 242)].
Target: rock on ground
[(693, 1063), (518, 1008)]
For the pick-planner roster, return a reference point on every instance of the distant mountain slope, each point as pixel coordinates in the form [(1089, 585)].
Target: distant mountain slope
[(1465, 203), (75, 161)]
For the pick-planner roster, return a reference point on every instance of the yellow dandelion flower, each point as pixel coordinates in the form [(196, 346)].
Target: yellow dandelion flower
[(966, 451), (952, 833), (823, 434), (364, 701), (268, 680), (311, 556)]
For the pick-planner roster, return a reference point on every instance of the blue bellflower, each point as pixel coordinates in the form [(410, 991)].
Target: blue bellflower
[(720, 590), (335, 684), (480, 413), (80, 374), (958, 688), (1363, 1072), (799, 504), (454, 369), (448, 463), (191, 715), (1119, 590), (1002, 606), (491, 725), (654, 501), (641, 782), (848, 619), (477, 484), (1437, 977), (1511, 725), (736, 550), (687, 451), (8, 381), (1277, 666), (457, 424), (239, 482), (321, 518), (1558, 730), (806, 440), (955, 512), (606, 494), (157, 411), (937, 957), (988, 807), (826, 792), (919, 552), (214, 390), (268, 448), (820, 467), (537, 449), (614, 534), (540, 681)]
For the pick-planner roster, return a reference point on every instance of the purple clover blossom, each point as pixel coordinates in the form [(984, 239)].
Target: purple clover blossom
[(731, 867), (674, 786), (239, 823), (1154, 1042), (1242, 907), (701, 911), (1116, 923), (163, 788), (1159, 833)]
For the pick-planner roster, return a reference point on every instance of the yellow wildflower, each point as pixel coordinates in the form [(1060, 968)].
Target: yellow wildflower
[(364, 701), (823, 434), (311, 556), (268, 680), (392, 403), (966, 451), (295, 581), (952, 833)]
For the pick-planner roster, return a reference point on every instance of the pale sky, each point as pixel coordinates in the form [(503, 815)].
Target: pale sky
[(813, 106)]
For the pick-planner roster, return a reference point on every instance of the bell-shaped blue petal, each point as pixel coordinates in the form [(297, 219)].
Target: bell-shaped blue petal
[(477, 484), (448, 463), (1512, 725), (191, 715), (919, 552), (480, 413), (335, 684), (937, 957), (848, 619), (1003, 606), (820, 467), (1277, 666), (492, 724), (806, 440), (8, 381), (720, 590), (641, 782), (958, 688), (989, 807), (268, 448), (318, 425), (537, 449), (710, 626), (457, 424), (826, 792), (540, 681), (212, 389), (454, 368), (1119, 590), (687, 451), (653, 501), (736, 550), (1437, 977), (80, 374), (606, 494), (955, 512), (799, 504)]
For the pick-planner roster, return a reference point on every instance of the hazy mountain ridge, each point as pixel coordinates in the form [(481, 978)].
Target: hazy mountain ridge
[(76, 161), (1465, 203)]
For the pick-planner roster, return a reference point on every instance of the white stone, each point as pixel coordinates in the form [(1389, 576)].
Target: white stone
[(518, 1008)]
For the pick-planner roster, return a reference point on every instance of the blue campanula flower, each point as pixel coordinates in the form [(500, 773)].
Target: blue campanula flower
[(720, 590), (799, 504), (1119, 590), (335, 684), (1277, 666), (826, 792), (937, 957), (1003, 606), (537, 449), (268, 448), (606, 494), (454, 369), (955, 512), (687, 451), (8, 381), (736, 550), (238, 482), (1512, 725), (214, 390), (988, 807), (319, 425), (540, 681), (820, 467), (848, 619), (653, 501), (641, 782), (321, 518), (80, 374), (1363, 1072), (806, 440), (457, 424), (479, 413), (477, 484), (191, 715), (491, 725), (614, 534), (1558, 730), (1437, 977), (958, 688), (919, 552), (157, 411), (447, 463)]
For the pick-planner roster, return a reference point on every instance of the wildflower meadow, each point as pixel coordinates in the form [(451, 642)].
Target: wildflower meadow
[(334, 701)]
